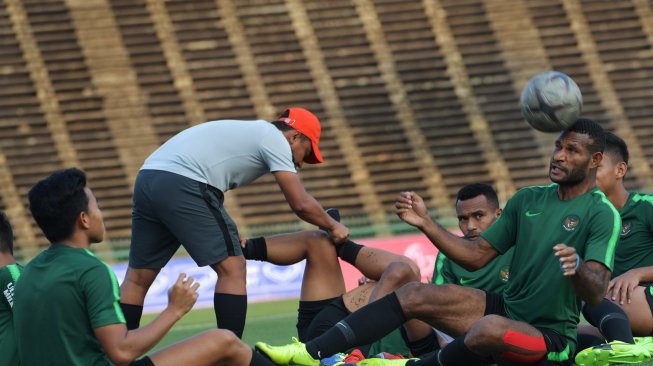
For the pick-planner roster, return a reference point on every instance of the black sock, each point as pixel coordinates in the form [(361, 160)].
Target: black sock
[(611, 320), (368, 324), (230, 312), (256, 249), (587, 341), (259, 360), (422, 346), (456, 353), (132, 314), (348, 251)]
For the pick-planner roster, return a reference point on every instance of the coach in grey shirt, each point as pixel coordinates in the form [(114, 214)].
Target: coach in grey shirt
[(179, 196)]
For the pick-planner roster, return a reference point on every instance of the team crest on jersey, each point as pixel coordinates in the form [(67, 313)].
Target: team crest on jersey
[(625, 228), (504, 273), (570, 223)]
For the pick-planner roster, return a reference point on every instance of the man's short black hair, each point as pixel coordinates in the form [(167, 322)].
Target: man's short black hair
[(6, 235), (57, 201), (616, 147), (470, 191), (593, 130)]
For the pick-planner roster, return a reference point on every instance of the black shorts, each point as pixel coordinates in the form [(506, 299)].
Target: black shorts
[(316, 317), (145, 361), (648, 292), (171, 210), (556, 345)]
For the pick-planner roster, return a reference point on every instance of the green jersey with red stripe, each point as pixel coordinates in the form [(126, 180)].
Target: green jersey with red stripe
[(533, 221), (63, 294)]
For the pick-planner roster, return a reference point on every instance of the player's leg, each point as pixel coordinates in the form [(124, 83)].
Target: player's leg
[(449, 307), (373, 262), (639, 311), (213, 347), (152, 244), (197, 218)]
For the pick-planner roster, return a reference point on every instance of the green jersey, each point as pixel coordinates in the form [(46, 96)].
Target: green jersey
[(535, 220), (63, 294), (8, 353), (491, 278), (635, 247)]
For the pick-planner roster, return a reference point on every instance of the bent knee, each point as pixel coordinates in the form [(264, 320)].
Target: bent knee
[(400, 273), (486, 332), (223, 338)]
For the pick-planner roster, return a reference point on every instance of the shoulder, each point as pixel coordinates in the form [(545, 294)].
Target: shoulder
[(642, 199)]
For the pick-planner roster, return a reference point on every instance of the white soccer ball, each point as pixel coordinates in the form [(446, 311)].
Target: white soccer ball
[(551, 101)]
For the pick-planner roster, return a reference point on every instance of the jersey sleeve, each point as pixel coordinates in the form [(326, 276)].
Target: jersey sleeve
[(277, 154), (442, 273), (100, 288), (604, 234), (502, 234)]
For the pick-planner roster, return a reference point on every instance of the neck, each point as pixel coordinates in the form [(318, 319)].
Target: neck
[(618, 197), (6, 259), (567, 192), (77, 240)]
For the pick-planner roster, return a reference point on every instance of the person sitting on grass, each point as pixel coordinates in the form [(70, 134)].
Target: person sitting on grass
[(66, 304), (627, 308)]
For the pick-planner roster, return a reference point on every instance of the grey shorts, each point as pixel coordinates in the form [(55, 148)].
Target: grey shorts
[(171, 210)]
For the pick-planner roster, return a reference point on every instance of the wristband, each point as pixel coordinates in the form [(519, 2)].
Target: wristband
[(577, 264)]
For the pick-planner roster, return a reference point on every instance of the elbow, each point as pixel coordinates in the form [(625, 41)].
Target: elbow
[(121, 358)]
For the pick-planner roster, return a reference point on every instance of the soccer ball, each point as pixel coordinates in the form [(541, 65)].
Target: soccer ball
[(551, 101)]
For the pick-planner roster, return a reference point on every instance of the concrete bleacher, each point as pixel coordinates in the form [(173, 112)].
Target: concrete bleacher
[(398, 85)]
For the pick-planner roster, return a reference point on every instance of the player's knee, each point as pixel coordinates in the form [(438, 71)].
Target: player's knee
[(233, 267), (222, 339), (485, 333), (399, 273)]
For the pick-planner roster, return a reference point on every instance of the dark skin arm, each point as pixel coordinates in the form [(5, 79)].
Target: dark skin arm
[(590, 280), (471, 255), (306, 207)]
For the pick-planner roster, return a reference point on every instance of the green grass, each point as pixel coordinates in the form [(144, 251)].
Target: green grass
[(271, 322)]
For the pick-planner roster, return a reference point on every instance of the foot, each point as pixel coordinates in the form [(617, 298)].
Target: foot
[(613, 352), (293, 354), (334, 213), (334, 360)]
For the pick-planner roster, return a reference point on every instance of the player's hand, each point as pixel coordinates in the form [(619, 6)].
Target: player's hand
[(620, 288), (339, 233), (569, 259), (242, 240), (411, 209), (183, 294)]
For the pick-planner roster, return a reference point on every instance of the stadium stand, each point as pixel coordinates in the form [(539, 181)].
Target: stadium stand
[(412, 95)]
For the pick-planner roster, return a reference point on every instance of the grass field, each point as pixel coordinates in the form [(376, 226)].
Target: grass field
[(271, 322)]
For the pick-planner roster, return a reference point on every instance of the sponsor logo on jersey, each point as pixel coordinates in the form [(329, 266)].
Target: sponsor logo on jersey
[(9, 294), (533, 213), (570, 223), (625, 228), (504, 273)]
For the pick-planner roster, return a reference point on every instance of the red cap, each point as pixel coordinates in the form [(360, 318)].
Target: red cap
[(305, 122)]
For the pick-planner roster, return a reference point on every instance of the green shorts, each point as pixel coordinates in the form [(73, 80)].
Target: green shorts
[(171, 210)]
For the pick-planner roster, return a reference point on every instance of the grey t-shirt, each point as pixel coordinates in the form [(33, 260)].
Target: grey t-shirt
[(224, 154)]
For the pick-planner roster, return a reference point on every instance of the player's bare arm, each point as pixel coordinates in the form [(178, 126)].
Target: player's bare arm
[(622, 287), (306, 207), (124, 346), (471, 255), (590, 279)]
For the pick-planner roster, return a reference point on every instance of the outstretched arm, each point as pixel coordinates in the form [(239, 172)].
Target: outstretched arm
[(471, 255), (306, 207), (124, 346), (590, 279)]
